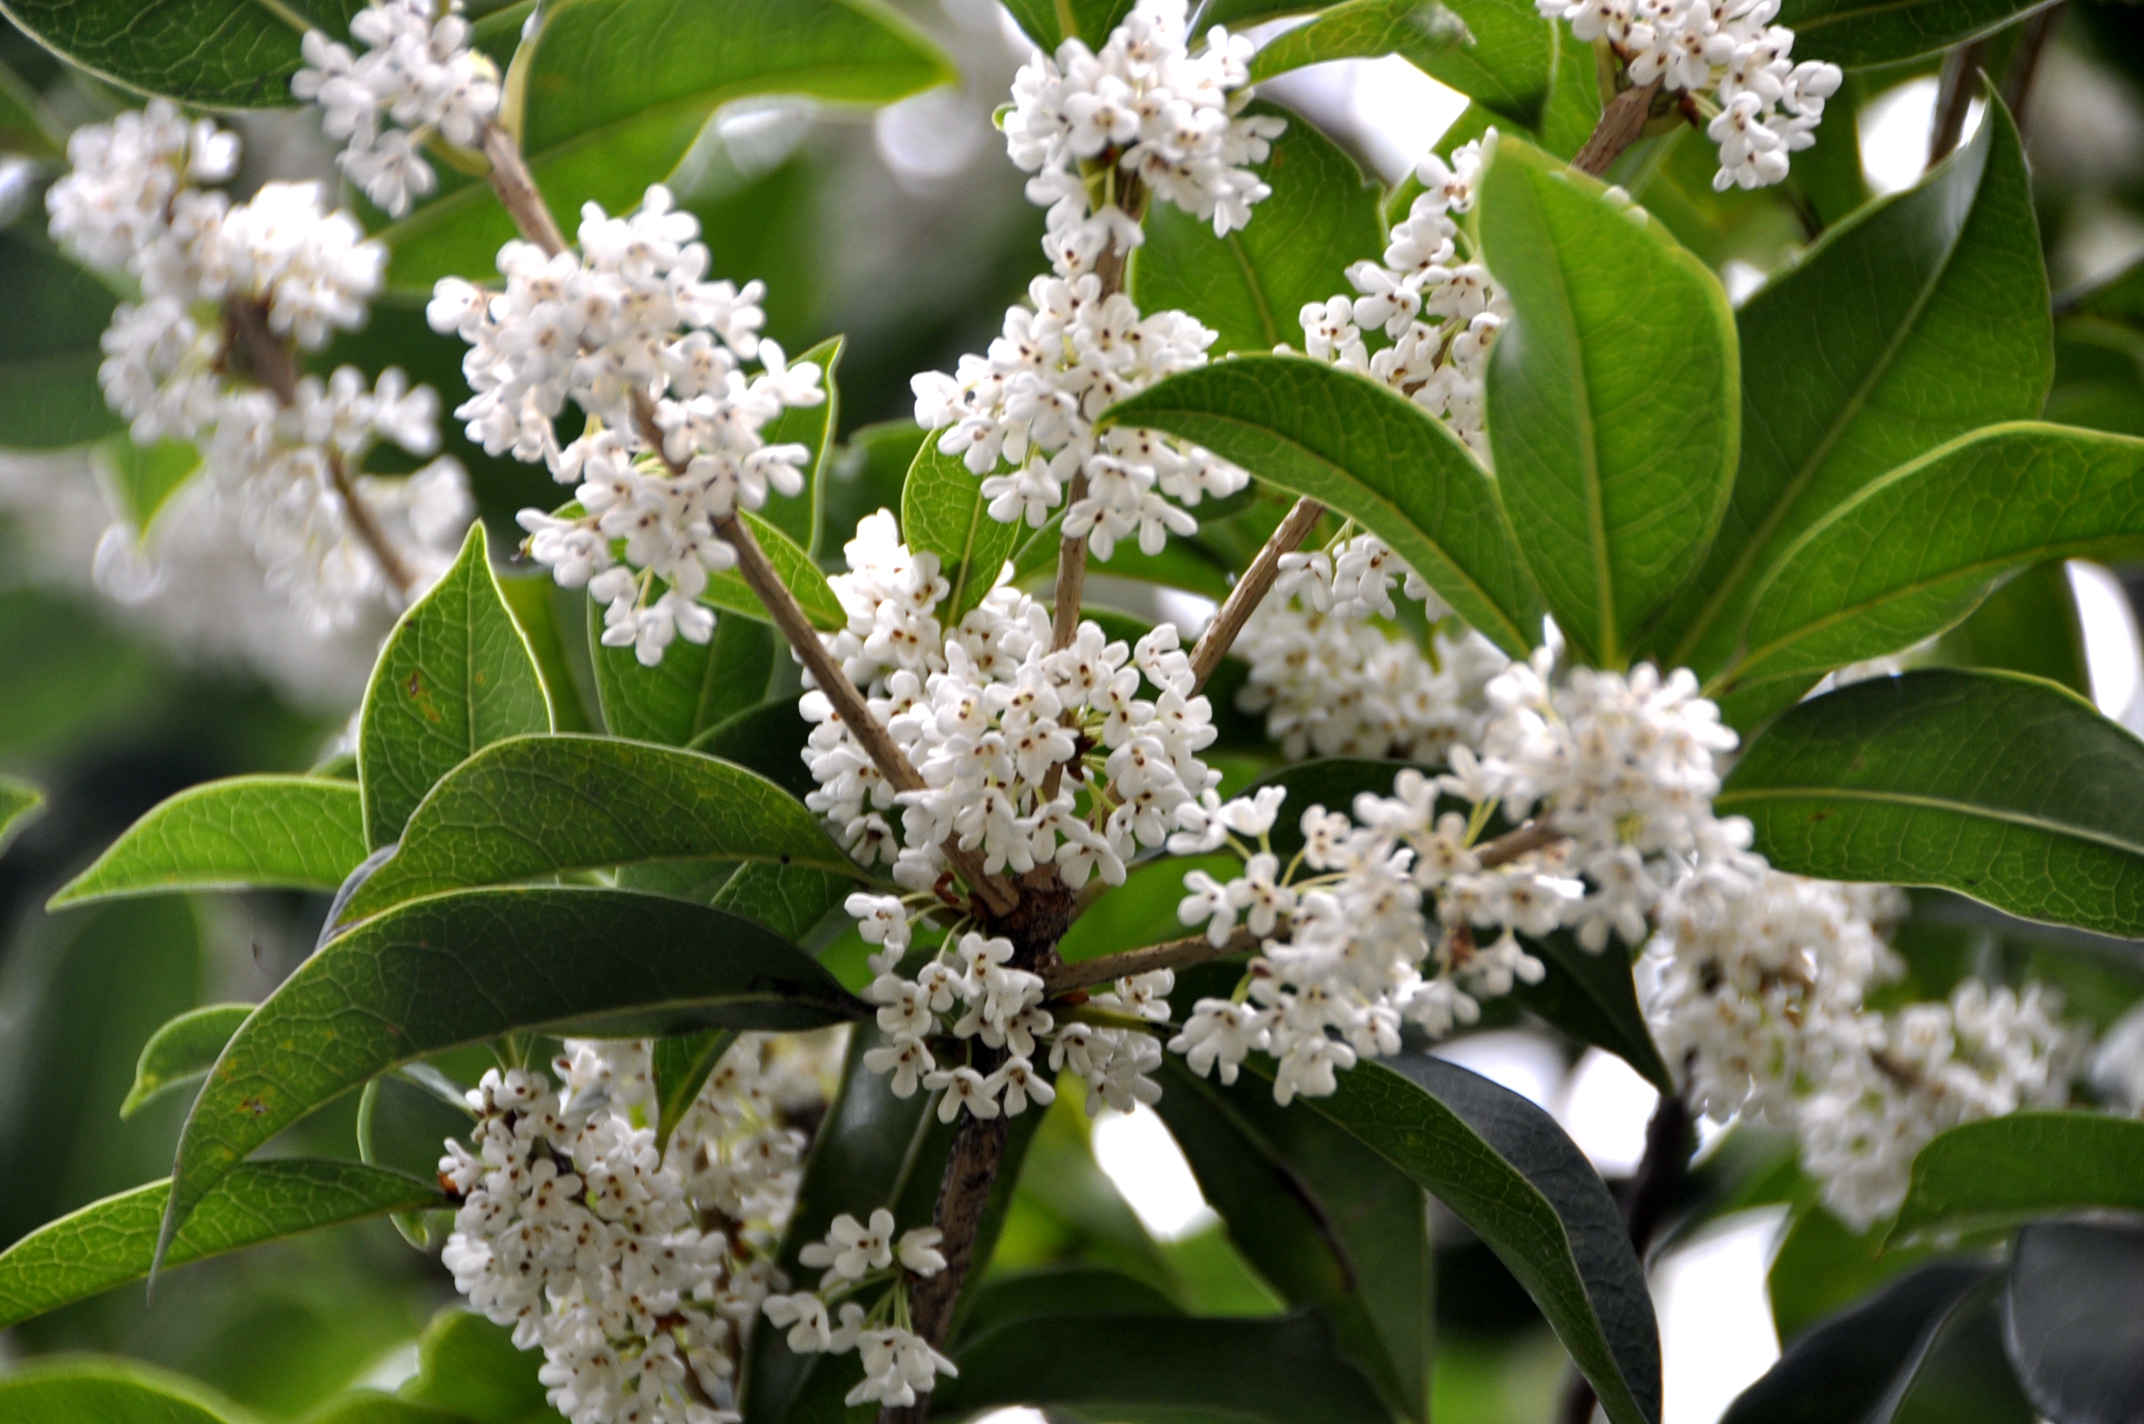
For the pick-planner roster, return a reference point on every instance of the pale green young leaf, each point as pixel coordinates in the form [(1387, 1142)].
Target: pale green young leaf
[(110, 1242), (456, 675), (466, 967), (20, 804), (1612, 398), (49, 351), (1251, 286), (1499, 53), (217, 53), (2005, 788), (141, 479), (695, 686), (793, 566), (532, 806), (2005, 1171), (181, 1052), (1370, 454), (290, 832), (1919, 319), (813, 427), (943, 512)]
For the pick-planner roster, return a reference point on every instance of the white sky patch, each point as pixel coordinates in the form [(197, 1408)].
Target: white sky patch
[(2111, 652), (1604, 1105), (1136, 1152), (1716, 1334)]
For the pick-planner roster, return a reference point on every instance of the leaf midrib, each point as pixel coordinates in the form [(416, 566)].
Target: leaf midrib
[(1965, 810)]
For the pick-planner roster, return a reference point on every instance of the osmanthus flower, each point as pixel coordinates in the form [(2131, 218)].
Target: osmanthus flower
[(629, 328), (231, 293), (857, 1257)]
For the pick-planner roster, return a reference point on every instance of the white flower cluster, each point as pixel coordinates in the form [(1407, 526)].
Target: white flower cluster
[(1619, 774), (630, 330), (1758, 995), (418, 72), (1767, 106), (637, 1269), (1438, 315), (229, 293), (898, 1363)]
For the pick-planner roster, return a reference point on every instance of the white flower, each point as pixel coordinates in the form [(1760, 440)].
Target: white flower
[(918, 1250), (853, 1249), (1220, 1033)]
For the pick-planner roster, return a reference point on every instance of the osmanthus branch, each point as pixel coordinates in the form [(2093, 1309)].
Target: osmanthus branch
[(1251, 590), (1621, 122), (516, 187)]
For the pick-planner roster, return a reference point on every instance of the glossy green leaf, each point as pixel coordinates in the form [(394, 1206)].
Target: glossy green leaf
[(2073, 1315), (616, 91), (531, 806), (144, 479), (1504, 1167), (768, 739), (1283, 1370), (469, 1366), (534, 601), (1594, 998), (181, 1051), (1496, 52), (1859, 34), (2006, 788), (1822, 1266), (466, 967), (109, 1391), (1917, 320), (1251, 286), (943, 512), (793, 566), (813, 427), (693, 688), (2030, 625), (788, 899), (49, 352), (1369, 453), (1050, 22), (220, 53), (1060, 1291), (1913, 552), (110, 1242), (296, 832), (1612, 398), (20, 804), (2008, 1170), (456, 675)]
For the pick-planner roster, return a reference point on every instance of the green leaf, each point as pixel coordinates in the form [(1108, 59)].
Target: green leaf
[(1611, 398), (1822, 1266), (1060, 1291), (532, 806), (294, 832), (469, 1366), (109, 1391), (615, 92), (768, 739), (216, 53), (1859, 34), (1912, 553), (455, 676), (1504, 1167), (788, 899), (2007, 1170), (2030, 625), (1496, 52), (1251, 286), (181, 1051), (1369, 453), (943, 512), (26, 127), (534, 600), (49, 351), (370, 1406), (802, 577), (2074, 1320), (110, 1242), (692, 689), (466, 967), (1919, 319), (1594, 998), (1049, 23), (2008, 789), (142, 479), (813, 427), (1283, 1370), (20, 804), (682, 1063)]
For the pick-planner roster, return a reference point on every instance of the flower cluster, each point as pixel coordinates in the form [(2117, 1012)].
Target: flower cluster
[(630, 330), (229, 293), (898, 1363), (1438, 315), (418, 72), (1764, 105), (637, 1268)]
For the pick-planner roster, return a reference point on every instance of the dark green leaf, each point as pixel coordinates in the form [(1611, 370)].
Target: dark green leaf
[(1331, 782), (1594, 998), (812, 427), (1369, 453), (300, 832), (788, 899), (1611, 398), (49, 351), (1495, 52), (2008, 1170), (615, 91), (110, 1242), (943, 512), (768, 739), (370, 1406), (25, 126), (221, 53), (143, 479), (1058, 1292), (467, 967), (469, 1366), (1912, 553), (1251, 286), (455, 676), (1919, 319), (1859, 34), (797, 572), (2074, 1318), (682, 1063), (2011, 790), (109, 1391), (532, 806), (2029, 625), (1285, 1370), (1504, 1167), (1821, 1266), (20, 804), (534, 603), (694, 687), (1050, 22), (181, 1051)]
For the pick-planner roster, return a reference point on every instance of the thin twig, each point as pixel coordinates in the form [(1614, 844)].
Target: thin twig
[(368, 529), (1620, 125), (516, 187), (1071, 574), (2025, 62), (1533, 836), (1251, 589), (1185, 953), (1954, 97)]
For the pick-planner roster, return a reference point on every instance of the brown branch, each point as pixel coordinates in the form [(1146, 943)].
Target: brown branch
[(368, 529), (1251, 589), (1533, 836), (1071, 574), (1954, 97), (2024, 68), (516, 187), (1620, 124), (1174, 954)]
